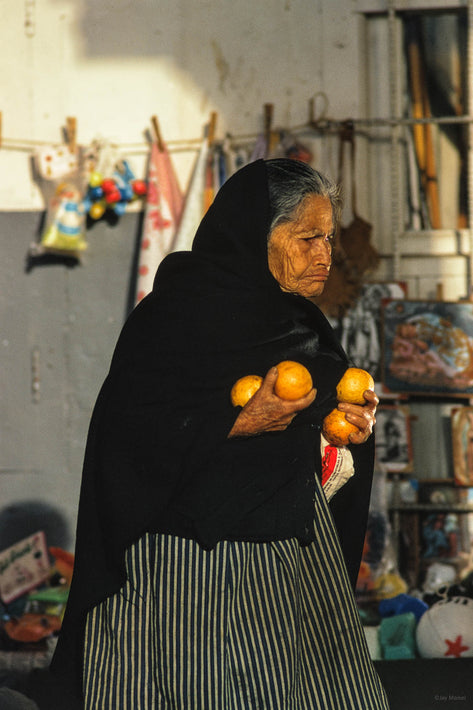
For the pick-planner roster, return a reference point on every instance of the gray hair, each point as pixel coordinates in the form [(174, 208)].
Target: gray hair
[(290, 182)]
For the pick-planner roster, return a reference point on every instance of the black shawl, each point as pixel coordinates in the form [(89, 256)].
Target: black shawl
[(158, 458)]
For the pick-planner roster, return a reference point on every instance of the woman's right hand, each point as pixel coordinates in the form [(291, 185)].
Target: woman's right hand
[(266, 412)]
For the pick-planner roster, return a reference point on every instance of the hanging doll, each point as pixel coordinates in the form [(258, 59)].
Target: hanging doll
[(61, 179)]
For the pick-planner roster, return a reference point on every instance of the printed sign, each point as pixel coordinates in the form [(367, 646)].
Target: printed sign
[(23, 566)]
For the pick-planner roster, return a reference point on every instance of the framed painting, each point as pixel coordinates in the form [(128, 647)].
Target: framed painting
[(359, 330), (441, 535), (393, 438), (443, 529), (428, 347), (462, 445)]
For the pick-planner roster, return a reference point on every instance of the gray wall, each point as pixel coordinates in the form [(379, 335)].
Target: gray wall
[(67, 319)]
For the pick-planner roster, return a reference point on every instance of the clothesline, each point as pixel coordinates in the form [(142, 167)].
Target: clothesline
[(321, 125)]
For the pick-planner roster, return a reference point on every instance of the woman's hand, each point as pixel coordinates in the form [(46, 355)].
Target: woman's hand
[(362, 416), (266, 412)]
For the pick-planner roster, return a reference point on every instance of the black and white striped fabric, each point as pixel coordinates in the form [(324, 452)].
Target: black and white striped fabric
[(245, 626)]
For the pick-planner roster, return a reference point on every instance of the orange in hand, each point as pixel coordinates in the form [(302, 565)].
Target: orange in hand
[(337, 429), (352, 385), (244, 389), (294, 380)]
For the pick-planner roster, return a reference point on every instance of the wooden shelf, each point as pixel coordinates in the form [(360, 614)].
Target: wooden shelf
[(432, 507)]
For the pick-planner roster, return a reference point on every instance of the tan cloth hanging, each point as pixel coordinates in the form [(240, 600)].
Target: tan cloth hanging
[(354, 255)]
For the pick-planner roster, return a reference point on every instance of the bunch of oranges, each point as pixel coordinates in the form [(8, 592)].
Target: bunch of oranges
[(336, 428), (294, 381)]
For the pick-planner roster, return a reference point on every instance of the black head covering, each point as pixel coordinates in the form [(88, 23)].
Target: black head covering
[(158, 458)]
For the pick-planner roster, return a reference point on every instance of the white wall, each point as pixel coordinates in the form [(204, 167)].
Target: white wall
[(114, 63)]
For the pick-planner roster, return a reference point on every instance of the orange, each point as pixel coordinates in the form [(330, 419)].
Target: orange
[(337, 429), (244, 389), (352, 385), (294, 380)]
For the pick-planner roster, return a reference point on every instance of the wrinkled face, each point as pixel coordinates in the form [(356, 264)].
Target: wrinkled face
[(300, 252)]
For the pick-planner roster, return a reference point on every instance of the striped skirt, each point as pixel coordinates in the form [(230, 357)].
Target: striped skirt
[(245, 626)]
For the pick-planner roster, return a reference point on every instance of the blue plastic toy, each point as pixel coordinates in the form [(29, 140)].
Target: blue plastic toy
[(401, 604)]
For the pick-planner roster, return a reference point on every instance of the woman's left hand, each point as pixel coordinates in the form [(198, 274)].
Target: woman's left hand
[(362, 416)]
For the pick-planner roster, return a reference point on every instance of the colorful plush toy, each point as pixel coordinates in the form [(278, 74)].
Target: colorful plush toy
[(388, 585), (402, 604), (113, 193), (397, 636)]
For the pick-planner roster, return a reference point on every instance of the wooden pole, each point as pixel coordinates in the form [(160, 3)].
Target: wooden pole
[(157, 133), (71, 132), (423, 139)]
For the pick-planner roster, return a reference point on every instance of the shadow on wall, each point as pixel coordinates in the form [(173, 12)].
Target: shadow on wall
[(22, 519), (223, 65)]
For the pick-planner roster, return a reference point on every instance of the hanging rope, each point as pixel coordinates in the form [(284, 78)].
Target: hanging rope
[(321, 125)]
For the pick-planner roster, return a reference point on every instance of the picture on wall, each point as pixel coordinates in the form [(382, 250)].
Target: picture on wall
[(359, 330), (393, 438), (462, 445), (444, 530), (428, 347), (441, 535)]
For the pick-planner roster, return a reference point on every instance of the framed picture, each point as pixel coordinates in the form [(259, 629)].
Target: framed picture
[(428, 347), (441, 536), (393, 438), (462, 445), (443, 529), (359, 330)]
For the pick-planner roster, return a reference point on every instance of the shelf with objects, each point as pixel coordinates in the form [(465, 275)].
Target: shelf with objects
[(433, 534), (417, 559)]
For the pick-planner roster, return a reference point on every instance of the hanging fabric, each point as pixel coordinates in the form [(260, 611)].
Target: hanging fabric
[(266, 142), (259, 149), (193, 203), (162, 215), (209, 187), (354, 255), (211, 174), (220, 167)]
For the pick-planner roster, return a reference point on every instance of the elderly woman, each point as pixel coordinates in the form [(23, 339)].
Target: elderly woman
[(211, 572)]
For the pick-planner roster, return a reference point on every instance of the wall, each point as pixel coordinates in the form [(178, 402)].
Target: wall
[(112, 65), (59, 325)]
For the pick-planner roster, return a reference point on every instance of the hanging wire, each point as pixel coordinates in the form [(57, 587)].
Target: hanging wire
[(321, 125)]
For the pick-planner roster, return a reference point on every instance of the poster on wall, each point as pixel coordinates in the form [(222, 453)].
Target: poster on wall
[(428, 347), (23, 566), (444, 530), (359, 330), (393, 438), (462, 445)]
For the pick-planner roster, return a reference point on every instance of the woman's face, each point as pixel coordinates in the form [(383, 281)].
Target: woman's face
[(300, 252)]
